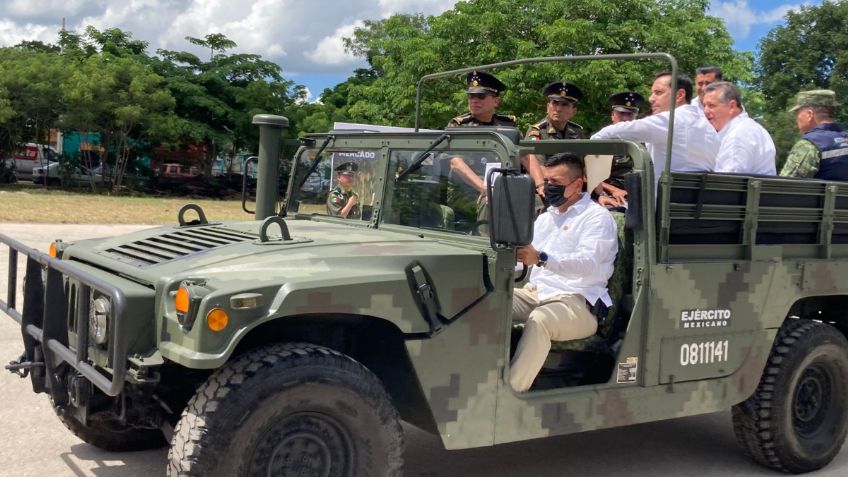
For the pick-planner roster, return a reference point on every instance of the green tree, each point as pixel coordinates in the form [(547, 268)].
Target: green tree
[(402, 48), (30, 100), (112, 90), (216, 99), (809, 52)]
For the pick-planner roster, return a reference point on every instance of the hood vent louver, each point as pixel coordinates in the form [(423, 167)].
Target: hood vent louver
[(175, 245)]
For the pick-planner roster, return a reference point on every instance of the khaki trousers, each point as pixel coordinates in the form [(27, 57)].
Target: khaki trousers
[(558, 318)]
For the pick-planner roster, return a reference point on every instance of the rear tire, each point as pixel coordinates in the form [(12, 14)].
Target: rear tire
[(796, 421), (289, 409)]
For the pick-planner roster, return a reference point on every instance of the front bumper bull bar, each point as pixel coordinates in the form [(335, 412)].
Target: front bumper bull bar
[(45, 321)]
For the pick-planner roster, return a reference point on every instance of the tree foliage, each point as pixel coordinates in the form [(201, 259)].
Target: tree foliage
[(809, 52), (105, 83), (402, 48)]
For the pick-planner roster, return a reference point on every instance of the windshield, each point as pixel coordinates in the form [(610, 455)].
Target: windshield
[(342, 184), (446, 193)]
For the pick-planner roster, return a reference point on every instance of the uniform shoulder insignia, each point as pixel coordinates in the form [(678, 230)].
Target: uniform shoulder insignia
[(504, 118), (570, 123), (541, 124), (463, 118)]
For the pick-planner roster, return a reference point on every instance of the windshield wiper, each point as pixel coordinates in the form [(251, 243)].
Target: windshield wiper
[(417, 164), (315, 162)]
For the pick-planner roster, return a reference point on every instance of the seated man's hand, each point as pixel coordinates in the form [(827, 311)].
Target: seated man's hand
[(352, 201), (527, 255), (610, 201)]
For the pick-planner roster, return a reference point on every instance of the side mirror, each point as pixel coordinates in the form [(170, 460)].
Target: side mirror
[(511, 208)]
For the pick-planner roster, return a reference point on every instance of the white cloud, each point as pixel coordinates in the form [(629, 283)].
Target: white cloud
[(428, 7), (12, 33), (48, 8), (330, 49), (305, 38), (740, 17)]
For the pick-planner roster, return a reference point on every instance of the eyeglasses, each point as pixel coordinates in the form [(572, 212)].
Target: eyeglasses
[(477, 95)]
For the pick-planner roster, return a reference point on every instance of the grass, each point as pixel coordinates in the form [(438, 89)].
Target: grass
[(21, 204)]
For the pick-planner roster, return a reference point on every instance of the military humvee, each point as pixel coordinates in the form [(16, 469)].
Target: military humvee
[(296, 343)]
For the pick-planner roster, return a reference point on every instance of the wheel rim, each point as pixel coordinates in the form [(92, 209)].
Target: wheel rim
[(304, 444), (812, 401)]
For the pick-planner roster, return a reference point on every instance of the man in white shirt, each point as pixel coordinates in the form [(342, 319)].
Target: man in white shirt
[(704, 76), (746, 147), (573, 249), (695, 142)]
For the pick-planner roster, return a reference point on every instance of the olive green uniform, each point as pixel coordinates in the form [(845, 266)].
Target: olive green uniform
[(462, 202), (544, 130), (621, 166), (467, 120), (337, 200)]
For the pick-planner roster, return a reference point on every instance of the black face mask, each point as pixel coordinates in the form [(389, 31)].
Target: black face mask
[(554, 193)]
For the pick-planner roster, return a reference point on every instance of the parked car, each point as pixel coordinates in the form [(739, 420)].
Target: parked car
[(29, 156), (51, 174)]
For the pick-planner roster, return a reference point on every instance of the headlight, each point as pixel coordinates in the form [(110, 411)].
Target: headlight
[(98, 320)]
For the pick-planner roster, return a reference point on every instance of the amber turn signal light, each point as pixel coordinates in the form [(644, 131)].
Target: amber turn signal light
[(182, 301), (217, 319)]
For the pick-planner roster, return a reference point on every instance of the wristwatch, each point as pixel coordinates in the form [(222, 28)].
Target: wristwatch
[(543, 260)]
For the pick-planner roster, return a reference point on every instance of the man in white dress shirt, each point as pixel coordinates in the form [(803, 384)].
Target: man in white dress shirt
[(746, 147), (695, 142), (573, 249)]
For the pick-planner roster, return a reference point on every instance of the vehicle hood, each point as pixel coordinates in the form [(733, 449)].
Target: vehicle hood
[(148, 256)]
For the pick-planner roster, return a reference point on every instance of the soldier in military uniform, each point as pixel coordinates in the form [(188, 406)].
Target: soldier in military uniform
[(562, 106), (484, 96), (625, 107), (822, 151), (343, 201)]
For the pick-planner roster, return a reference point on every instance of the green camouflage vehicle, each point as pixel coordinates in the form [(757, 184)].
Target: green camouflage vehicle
[(296, 343)]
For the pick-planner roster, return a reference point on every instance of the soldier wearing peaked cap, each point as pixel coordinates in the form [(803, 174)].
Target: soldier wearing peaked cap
[(822, 151), (624, 107), (342, 200), (624, 104), (484, 96), (562, 106)]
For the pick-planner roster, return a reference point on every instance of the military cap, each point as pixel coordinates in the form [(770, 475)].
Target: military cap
[(563, 92), (347, 168), (482, 82), (816, 97), (626, 102)]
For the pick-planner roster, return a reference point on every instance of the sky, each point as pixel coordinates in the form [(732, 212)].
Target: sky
[(304, 37)]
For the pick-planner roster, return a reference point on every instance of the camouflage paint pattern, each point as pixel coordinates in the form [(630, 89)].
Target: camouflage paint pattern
[(333, 266)]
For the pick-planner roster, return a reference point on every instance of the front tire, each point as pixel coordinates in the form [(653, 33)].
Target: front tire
[(112, 436), (289, 409), (796, 421)]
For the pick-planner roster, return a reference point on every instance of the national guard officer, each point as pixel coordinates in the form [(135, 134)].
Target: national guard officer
[(342, 200), (822, 151), (625, 107)]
